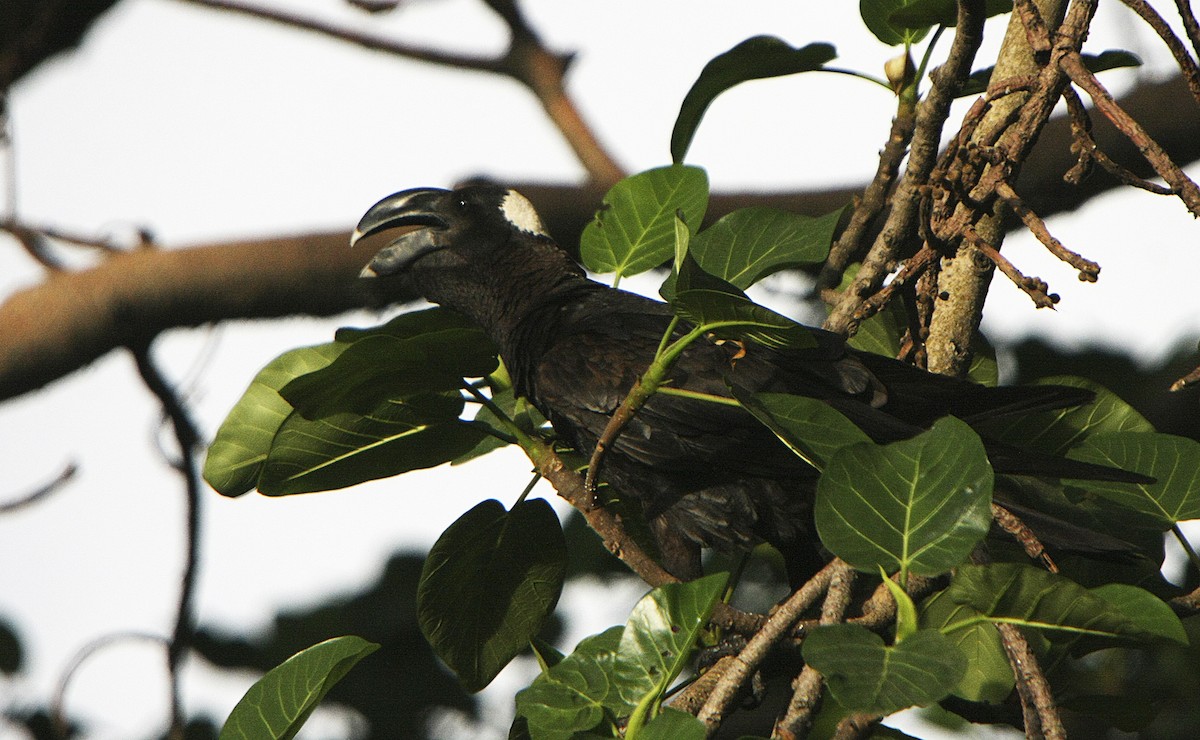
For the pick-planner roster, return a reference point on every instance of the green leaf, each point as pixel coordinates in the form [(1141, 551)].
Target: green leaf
[(922, 14), (734, 316), (1055, 432), (1151, 614), (382, 366), (519, 410), (347, 448), (811, 428), (660, 636), (236, 456), (746, 245), (864, 675), (918, 505), (878, 14), (906, 610), (1019, 594), (279, 703), (1174, 463), (755, 58), (673, 724), (988, 676), (488, 585), (634, 230), (572, 696)]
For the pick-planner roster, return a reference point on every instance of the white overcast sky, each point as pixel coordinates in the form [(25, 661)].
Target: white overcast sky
[(202, 126)]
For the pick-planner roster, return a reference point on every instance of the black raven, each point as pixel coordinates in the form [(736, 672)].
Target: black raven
[(705, 473)]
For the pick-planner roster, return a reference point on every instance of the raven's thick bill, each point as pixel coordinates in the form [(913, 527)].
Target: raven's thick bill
[(705, 474)]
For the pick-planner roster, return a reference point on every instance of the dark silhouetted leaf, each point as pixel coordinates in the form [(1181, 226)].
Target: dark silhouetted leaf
[(979, 80), (278, 704), (924, 14), (877, 16), (917, 505), (489, 584), (753, 59), (864, 675)]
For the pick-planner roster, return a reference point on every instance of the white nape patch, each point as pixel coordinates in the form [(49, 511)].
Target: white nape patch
[(519, 212)]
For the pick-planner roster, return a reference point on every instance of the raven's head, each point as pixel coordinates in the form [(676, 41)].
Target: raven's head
[(468, 225)]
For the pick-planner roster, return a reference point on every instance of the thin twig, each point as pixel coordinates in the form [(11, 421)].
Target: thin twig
[(1162, 163), (777, 626), (1187, 65), (41, 491), (1035, 288), (188, 439), (1089, 271), (1089, 151), (526, 60), (58, 704), (1189, 23)]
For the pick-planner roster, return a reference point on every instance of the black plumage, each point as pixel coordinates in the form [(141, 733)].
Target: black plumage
[(706, 474)]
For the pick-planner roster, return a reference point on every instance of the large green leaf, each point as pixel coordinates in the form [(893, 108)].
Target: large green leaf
[(1055, 432), (488, 585), (674, 724), (634, 230), (236, 456), (811, 428), (660, 636), (988, 676), (435, 355), (573, 696), (864, 675), (1019, 594), (1173, 462), (347, 448), (732, 316), (918, 505), (753, 59), (278, 704), (746, 245)]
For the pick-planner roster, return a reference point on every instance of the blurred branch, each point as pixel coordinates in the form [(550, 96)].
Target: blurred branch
[(58, 715), (527, 60), (188, 439), (41, 491)]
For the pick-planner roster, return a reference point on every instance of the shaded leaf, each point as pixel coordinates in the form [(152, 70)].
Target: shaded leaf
[(811, 428), (755, 58), (347, 448), (988, 676), (1054, 432), (923, 14), (877, 16), (1029, 597), (488, 585), (1174, 463), (239, 450), (435, 356), (572, 696), (731, 315), (278, 704), (864, 675), (673, 724), (634, 230), (917, 505)]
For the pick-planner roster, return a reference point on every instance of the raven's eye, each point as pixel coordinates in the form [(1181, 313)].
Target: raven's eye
[(462, 203)]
